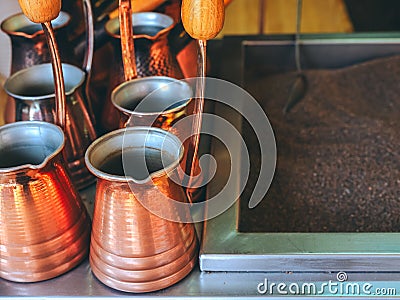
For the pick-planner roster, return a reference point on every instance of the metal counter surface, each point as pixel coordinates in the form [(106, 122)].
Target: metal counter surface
[(81, 283)]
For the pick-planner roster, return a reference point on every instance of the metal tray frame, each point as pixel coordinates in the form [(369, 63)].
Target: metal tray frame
[(223, 247)]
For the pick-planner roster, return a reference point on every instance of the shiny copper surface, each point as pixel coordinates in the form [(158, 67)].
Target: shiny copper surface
[(161, 92), (28, 41), (127, 45), (29, 46), (152, 53), (133, 249), (143, 263), (145, 286), (192, 164), (44, 226), (59, 87), (36, 104)]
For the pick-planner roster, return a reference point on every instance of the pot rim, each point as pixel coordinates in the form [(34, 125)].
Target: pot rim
[(127, 179), (64, 18), (39, 125), (48, 68), (138, 36), (171, 80)]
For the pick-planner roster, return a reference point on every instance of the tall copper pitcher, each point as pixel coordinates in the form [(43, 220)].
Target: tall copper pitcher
[(44, 226), (29, 46), (31, 91), (28, 42), (132, 249), (152, 52)]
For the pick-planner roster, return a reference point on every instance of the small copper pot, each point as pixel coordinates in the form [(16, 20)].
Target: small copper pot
[(32, 91), (44, 226), (158, 101), (165, 102), (132, 249)]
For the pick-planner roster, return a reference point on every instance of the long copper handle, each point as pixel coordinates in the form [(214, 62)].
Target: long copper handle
[(42, 11), (58, 74), (203, 20), (194, 141), (89, 28), (127, 46)]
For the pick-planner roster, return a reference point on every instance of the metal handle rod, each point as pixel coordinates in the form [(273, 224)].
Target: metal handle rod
[(58, 74), (197, 114), (88, 59), (126, 32)]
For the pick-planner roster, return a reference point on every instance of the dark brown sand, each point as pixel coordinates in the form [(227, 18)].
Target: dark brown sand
[(338, 167)]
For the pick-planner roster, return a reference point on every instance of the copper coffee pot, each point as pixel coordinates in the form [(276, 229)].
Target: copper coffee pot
[(132, 248), (36, 85), (32, 93), (157, 101), (30, 47), (28, 41), (162, 102), (152, 56), (44, 226)]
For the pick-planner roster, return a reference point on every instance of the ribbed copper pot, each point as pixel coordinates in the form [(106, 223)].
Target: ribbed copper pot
[(158, 101), (44, 226), (132, 249), (32, 91)]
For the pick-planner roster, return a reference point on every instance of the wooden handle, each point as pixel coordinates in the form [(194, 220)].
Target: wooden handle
[(40, 11), (203, 19)]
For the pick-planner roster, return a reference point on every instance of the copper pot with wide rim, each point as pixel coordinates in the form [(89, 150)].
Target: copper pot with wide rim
[(32, 91), (162, 102), (133, 249), (44, 226)]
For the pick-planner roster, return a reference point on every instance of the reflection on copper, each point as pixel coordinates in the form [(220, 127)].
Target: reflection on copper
[(166, 92), (44, 226), (28, 42), (59, 86), (131, 248), (127, 45), (152, 53), (34, 103)]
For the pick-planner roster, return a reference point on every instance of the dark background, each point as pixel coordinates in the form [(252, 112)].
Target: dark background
[(374, 15)]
